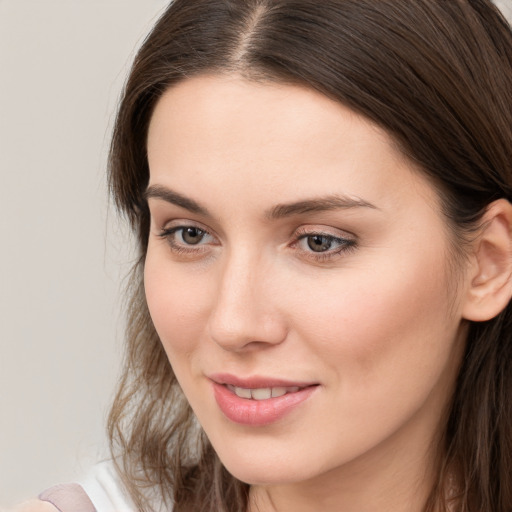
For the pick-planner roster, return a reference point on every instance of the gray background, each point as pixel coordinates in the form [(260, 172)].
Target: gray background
[(63, 254)]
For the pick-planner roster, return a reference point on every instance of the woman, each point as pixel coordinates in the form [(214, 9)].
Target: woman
[(320, 196)]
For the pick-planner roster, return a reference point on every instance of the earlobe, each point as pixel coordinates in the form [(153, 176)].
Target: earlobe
[(490, 287)]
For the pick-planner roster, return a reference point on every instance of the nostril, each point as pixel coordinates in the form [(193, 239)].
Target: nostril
[(244, 316), (246, 333)]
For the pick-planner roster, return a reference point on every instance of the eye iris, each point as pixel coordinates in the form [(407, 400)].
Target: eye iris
[(192, 235), (319, 243)]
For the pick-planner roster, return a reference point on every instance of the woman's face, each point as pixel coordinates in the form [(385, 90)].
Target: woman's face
[(299, 276)]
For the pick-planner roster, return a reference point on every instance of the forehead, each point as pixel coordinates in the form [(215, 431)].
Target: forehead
[(213, 133)]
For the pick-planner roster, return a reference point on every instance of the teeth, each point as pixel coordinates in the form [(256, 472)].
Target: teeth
[(278, 392), (262, 393), (243, 393)]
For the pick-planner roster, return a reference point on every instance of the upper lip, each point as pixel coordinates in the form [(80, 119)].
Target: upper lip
[(257, 382)]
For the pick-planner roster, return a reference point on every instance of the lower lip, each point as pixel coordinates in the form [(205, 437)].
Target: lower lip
[(258, 412)]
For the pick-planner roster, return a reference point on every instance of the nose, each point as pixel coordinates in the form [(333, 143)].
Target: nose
[(245, 314)]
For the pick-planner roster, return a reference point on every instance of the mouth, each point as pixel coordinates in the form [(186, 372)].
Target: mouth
[(258, 401), (262, 393)]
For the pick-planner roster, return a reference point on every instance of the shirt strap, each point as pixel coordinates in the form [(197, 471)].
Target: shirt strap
[(68, 498)]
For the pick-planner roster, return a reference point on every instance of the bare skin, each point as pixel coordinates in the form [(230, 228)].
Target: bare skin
[(34, 506), (235, 284)]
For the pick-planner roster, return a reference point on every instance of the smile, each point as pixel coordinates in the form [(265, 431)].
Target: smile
[(261, 393), (259, 401)]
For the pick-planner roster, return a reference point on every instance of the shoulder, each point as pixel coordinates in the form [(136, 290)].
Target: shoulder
[(68, 498), (101, 490), (33, 506)]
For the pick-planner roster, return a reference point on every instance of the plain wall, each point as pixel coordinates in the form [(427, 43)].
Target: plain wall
[(506, 7), (63, 255)]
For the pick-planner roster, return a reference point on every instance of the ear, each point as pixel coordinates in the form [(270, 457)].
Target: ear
[(490, 279)]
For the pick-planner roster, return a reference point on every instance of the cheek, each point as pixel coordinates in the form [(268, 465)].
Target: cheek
[(176, 302), (380, 322)]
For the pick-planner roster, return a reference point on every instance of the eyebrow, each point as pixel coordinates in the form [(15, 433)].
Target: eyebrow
[(170, 196), (321, 204)]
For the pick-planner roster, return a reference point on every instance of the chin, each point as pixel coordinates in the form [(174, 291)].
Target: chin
[(270, 468), (268, 475)]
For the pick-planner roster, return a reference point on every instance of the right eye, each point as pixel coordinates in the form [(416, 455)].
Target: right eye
[(190, 235), (187, 239)]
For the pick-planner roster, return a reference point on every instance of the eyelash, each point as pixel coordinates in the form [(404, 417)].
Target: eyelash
[(186, 249), (345, 245)]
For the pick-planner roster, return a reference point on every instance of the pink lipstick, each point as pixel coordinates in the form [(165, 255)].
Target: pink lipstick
[(258, 401)]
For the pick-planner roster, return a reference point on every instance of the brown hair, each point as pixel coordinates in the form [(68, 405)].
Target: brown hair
[(437, 76)]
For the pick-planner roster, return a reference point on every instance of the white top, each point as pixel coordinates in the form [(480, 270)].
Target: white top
[(105, 490)]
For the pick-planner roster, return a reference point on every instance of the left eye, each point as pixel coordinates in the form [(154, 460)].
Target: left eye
[(320, 243)]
